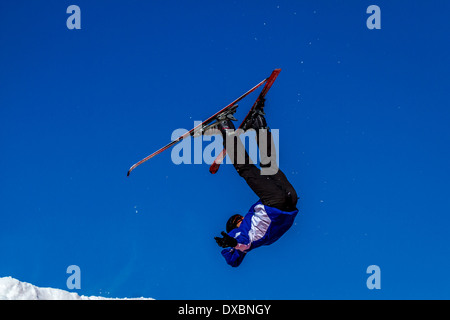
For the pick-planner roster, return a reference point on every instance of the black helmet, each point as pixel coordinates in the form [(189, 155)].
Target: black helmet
[(233, 221)]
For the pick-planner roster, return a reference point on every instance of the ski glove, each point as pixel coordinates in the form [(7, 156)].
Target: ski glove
[(226, 241)]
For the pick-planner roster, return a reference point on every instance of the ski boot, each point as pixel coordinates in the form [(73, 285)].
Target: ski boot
[(256, 119)]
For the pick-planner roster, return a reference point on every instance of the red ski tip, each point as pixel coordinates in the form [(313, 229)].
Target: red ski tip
[(213, 169)]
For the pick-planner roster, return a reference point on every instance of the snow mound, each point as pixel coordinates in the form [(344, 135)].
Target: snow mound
[(13, 289)]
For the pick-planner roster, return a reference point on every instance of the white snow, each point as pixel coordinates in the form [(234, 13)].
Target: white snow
[(13, 289)]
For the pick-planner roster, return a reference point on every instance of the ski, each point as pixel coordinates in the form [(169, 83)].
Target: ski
[(270, 80), (199, 128)]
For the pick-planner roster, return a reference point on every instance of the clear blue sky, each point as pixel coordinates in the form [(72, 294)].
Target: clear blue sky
[(364, 138)]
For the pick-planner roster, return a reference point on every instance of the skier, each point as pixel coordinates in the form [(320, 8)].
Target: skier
[(274, 213)]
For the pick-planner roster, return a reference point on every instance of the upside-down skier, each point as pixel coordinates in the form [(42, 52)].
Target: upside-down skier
[(274, 213)]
